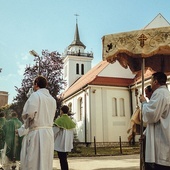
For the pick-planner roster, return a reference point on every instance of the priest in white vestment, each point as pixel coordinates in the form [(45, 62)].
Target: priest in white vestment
[(156, 113), (38, 115)]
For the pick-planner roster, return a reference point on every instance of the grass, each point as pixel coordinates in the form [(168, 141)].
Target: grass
[(83, 151)]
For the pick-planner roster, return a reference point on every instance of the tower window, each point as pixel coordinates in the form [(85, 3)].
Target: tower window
[(77, 68), (82, 69)]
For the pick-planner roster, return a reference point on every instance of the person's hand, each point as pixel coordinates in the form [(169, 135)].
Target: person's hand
[(16, 132), (142, 139), (142, 98)]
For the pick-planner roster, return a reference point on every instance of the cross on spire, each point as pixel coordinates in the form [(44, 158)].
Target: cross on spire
[(76, 17), (142, 40)]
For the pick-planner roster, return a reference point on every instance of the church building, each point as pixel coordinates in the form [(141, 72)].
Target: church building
[(102, 99)]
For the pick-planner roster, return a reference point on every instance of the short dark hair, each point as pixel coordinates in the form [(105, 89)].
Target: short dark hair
[(65, 109), (149, 88), (41, 82), (14, 113), (2, 114), (160, 77)]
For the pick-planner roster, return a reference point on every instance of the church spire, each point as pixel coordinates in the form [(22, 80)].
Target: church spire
[(76, 41)]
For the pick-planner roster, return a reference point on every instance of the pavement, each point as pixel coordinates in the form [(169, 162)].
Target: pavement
[(128, 162)]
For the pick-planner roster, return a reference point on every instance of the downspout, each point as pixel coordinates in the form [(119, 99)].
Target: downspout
[(85, 117), (90, 117), (131, 110), (103, 138), (131, 105)]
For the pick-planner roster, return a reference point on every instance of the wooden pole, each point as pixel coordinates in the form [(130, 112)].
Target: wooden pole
[(120, 143), (141, 118), (95, 145)]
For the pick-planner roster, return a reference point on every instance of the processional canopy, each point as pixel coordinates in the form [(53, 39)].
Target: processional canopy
[(129, 48)]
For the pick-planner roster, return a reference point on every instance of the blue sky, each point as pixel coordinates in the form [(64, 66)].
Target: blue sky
[(50, 24)]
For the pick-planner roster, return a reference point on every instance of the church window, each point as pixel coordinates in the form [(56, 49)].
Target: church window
[(82, 69), (77, 68), (80, 109), (122, 107), (114, 107), (70, 107)]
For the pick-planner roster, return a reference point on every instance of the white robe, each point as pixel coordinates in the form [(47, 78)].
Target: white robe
[(63, 139), (156, 113), (38, 115), (23, 132)]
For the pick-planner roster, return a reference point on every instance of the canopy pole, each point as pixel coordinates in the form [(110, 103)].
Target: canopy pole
[(141, 118)]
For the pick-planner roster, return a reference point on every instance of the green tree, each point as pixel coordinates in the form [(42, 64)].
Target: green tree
[(49, 65)]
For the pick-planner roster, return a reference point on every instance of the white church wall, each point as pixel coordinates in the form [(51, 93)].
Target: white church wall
[(88, 116), (96, 114), (71, 72), (120, 123), (158, 21), (116, 70), (106, 127), (80, 129), (70, 75)]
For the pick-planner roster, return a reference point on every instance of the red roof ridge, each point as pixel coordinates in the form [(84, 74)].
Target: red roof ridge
[(86, 78)]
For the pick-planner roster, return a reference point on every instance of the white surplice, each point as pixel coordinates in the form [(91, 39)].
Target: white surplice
[(156, 113), (38, 115), (23, 132), (63, 139)]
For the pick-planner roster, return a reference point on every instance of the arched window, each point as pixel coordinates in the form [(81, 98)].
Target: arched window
[(80, 109), (70, 107), (82, 69), (122, 107), (114, 107), (77, 68)]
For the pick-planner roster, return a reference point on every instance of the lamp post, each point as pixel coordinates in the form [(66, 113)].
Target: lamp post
[(34, 53)]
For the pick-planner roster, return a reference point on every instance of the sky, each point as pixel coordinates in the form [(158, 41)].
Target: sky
[(50, 25)]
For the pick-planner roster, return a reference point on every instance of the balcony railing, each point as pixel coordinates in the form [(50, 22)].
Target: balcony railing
[(79, 54)]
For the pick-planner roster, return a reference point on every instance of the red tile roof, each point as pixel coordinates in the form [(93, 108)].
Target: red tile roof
[(111, 81), (92, 78)]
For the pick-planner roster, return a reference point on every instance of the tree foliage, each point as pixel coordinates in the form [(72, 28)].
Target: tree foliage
[(49, 65)]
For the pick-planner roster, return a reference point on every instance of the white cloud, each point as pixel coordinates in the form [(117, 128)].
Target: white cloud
[(24, 57), (24, 61), (21, 68)]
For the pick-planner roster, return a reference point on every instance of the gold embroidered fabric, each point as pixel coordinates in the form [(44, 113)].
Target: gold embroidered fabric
[(129, 48)]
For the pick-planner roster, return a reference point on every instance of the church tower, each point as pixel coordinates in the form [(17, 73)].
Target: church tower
[(77, 62)]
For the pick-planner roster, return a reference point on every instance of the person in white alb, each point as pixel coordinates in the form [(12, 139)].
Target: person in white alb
[(156, 113), (63, 136), (38, 115)]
